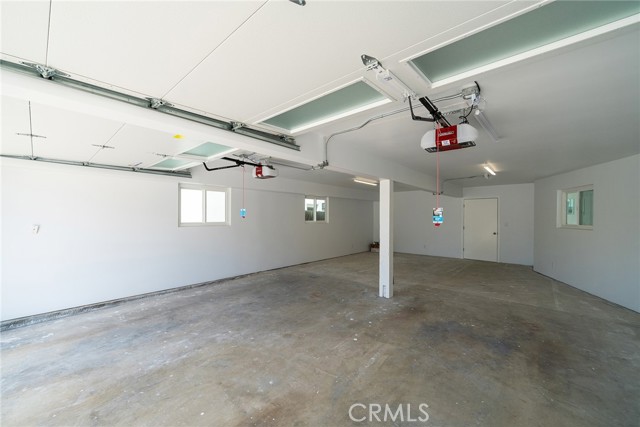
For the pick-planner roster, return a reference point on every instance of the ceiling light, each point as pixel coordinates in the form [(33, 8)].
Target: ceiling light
[(365, 181), (489, 169), (482, 119)]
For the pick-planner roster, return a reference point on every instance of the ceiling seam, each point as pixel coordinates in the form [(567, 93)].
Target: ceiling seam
[(215, 48), (46, 53)]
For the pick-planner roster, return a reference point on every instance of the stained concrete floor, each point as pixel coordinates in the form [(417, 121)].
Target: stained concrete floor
[(481, 344)]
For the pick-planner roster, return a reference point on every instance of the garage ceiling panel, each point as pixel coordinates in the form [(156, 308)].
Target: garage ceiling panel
[(239, 80), (144, 46), (23, 29), (15, 119), (135, 145), (69, 135)]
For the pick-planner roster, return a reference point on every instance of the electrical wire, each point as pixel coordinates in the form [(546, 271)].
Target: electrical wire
[(456, 179), (291, 166), (467, 115), (378, 117)]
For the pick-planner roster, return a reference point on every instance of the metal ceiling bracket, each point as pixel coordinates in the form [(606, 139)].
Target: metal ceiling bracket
[(287, 139), (44, 71), (369, 61), (153, 103), (181, 174), (156, 103), (237, 125), (470, 90)]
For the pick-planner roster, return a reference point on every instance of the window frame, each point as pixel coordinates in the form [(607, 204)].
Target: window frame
[(315, 204), (204, 189), (562, 207)]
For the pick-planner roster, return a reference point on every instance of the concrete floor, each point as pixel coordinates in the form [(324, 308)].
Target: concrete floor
[(481, 344)]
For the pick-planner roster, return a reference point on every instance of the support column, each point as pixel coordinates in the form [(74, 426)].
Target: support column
[(386, 238)]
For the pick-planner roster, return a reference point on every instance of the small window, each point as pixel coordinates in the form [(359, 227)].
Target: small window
[(315, 209), (576, 208), (201, 205)]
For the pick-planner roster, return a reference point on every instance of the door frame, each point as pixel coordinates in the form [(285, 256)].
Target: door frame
[(497, 223)]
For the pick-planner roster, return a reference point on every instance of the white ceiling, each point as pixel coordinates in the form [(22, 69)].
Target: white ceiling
[(81, 137), (248, 60)]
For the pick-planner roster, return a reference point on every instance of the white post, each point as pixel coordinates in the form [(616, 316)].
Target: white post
[(386, 238)]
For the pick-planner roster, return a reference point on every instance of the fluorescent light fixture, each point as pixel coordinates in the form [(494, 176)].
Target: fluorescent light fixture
[(482, 119), (489, 169), (365, 181)]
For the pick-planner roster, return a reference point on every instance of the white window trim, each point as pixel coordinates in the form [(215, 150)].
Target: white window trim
[(562, 208), (326, 213), (204, 189)]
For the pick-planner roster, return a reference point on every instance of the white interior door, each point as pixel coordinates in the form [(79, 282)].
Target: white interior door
[(480, 232)]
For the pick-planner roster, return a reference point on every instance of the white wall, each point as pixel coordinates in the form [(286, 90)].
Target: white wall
[(414, 231), (604, 261), (515, 219), (108, 234)]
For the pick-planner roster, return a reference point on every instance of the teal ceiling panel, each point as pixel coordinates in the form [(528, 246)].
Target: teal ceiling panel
[(547, 24), (334, 104), (172, 163), (207, 149)]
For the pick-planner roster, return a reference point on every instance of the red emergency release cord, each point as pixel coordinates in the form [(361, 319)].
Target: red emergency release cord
[(437, 172)]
